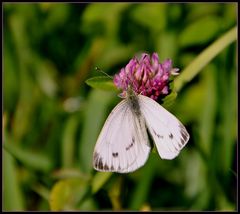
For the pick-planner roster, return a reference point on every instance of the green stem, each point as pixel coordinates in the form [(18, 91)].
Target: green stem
[(205, 57)]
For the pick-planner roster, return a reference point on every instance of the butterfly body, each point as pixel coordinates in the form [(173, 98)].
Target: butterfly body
[(123, 144)]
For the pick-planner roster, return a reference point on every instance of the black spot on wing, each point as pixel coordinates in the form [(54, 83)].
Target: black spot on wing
[(106, 167), (156, 134), (100, 163), (171, 136), (95, 159), (131, 144), (115, 154), (181, 126), (182, 141), (180, 145), (95, 156), (183, 133)]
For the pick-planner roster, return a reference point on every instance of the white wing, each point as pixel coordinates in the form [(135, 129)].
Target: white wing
[(122, 145), (168, 133)]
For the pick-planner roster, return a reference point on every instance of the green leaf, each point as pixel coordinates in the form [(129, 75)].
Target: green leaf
[(166, 41), (103, 83), (29, 158), (168, 100), (190, 102), (66, 194), (87, 204), (200, 32), (69, 173), (147, 14), (99, 180), (95, 20)]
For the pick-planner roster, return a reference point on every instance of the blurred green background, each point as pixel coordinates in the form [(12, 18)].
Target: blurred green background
[(52, 118)]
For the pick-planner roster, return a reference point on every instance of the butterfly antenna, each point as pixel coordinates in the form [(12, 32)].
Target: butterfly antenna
[(100, 70)]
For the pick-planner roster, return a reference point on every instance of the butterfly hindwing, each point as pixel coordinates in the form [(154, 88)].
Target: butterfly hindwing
[(168, 133), (122, 145)]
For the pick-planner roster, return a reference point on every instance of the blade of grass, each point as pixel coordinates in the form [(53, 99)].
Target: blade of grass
[(13, 199), (208, 113), (227, 98), (99, 180), (41, 190), (229, 133), (68, 141), (32, 160)]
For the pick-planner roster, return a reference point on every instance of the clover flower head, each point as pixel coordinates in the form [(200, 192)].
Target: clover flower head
[(146, 76)]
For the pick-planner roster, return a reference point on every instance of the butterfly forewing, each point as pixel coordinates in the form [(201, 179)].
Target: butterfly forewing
[(122, 145), (168, 133)]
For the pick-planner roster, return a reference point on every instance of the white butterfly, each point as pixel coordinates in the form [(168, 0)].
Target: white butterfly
[(123, 145)]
